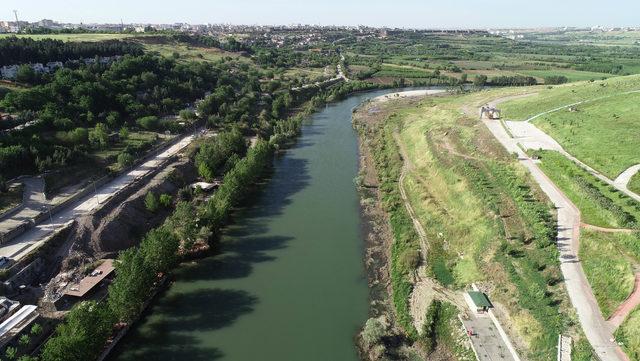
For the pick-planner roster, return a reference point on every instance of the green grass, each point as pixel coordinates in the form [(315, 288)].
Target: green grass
[(189, 52), (608, 266), (599, 204), (634, 183), (612, 124), (572, 75), (629, 335), (561, 95)]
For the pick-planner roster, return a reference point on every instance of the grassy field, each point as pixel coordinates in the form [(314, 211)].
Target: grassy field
[(190, 53), (572, 75), (599, 204), (609, 123), (608, 260), (629, 335), (634, 183), (484, 220)]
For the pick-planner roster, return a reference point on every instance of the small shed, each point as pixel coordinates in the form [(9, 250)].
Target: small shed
[(480, 301)]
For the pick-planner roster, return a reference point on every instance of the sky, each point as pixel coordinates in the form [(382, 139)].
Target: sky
[(392, 13)]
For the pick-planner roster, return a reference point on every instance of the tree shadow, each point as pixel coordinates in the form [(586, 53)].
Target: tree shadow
[(164, 333)]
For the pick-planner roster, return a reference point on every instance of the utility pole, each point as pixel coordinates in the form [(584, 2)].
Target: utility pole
[(15, 13)]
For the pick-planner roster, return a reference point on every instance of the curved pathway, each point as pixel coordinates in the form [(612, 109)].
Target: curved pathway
[(627, 306), (623, 179), (596, 329)]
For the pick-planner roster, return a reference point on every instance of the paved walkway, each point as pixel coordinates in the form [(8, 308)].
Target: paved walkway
[(487, 342), (623, 179), (34, 237), (595, 327), (531, 137)]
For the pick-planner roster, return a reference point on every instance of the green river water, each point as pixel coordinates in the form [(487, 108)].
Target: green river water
[(289, 281)]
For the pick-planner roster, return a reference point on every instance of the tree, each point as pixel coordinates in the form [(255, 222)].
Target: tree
[(99, 136), (24, 340), (123, 133), (130, 289), (11, 353), (151, 202), (83, 334), (36, 329), (480, 80), (125, 159), (148, 123), (188, 114), (3, 184), (26, 74), (165, 200), (160, 250), (373, 331)]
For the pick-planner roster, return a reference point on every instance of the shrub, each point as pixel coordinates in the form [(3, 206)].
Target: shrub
[(373, 331), (151, 202), (166, 200), (148, 123), (125, 159)]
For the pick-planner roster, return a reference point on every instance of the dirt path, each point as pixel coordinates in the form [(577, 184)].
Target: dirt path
[(607, 230), (408, 166), (627, 306), (596, 329)]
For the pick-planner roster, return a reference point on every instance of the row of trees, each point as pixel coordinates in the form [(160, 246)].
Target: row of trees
[(14, 50)]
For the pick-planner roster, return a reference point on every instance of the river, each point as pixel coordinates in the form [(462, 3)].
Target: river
[(289, 280)]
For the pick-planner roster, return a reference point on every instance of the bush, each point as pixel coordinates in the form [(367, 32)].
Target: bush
[(151, 202), (166, 200), (148, 123), (373, 331), (555, 79), (125, 159)]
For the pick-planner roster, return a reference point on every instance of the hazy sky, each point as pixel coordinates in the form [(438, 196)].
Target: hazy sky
[(401, 13)]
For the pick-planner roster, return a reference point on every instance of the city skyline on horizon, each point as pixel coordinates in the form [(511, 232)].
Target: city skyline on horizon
[(464, 14)]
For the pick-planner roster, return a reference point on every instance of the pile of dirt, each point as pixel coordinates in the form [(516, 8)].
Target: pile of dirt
[(121, 223)]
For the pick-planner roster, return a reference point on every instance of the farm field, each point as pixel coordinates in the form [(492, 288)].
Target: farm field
[(609, 261), (600, 204)]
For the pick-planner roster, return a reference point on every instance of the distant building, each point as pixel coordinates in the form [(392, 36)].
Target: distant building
[(7, 308), (9, 71)]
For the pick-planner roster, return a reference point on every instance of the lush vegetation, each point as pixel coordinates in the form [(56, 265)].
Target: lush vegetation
[(406, 242), (608, 123), (609, 260), (629, 335), (14, 50), (599, 204), (634, 183), (484, 220)]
